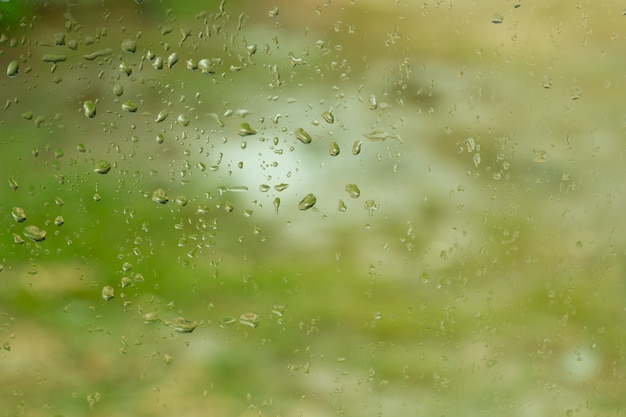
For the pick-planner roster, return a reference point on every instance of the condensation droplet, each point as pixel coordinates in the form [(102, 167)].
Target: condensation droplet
[(129, 45), (103, 167), (34, 233), (18, 213), (353, 190), (302, 135), (160, 196), (89, 108), (13, 68), (108, 293), (307, 202)]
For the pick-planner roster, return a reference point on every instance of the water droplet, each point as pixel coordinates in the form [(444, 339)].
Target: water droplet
[(353, 190), (13, 183), (181, 200), (34, 233), (161, 116), (125, 68), (18, 214), (264, 188), (307, 202), (251, 49), (575, 92), (273, 12), (151, 318), (129, 45), (182, 325), (97, 54), (13, 68), (118, 90), (59, 221), (160, 138), (244, 129), (281, 187), (129, 106), (125, 282), (158, 63), (342, 206), (372, 103), (206, 66), (356, 147), (250, 319), (103, 167), (333, 149), (497, 18), (379, 135), (302, 135), (160, 196), (329, 117), (172, 59), (227, 321), (108, 293), (276, 204), (183, 119), (89, 108), (476, 159), (53, 58)]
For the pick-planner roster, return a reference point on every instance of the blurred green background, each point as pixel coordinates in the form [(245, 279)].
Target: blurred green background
[(477, 271)]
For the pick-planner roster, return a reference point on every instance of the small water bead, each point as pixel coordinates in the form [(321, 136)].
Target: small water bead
[(356, 147), (281, 187), (34, 233), (129, 106), (103, 167), (13, 184), (182, 325), (307, 202), (125, 68), (151, 318), (302, 135), (227, 321), (250, 319), (125, 282), (333, 149), (158, 63), (244, 129), (108, 293), (89, 108), (181, 200), (59, 221), (97, 54), (264, 188), (172, 60), (183, 119), (53, 58), (353, 190), (328, 117), (160, 196), (118, 90), (276, 204), (342, 206), (129, 45), (497, 18), (273, 12), (161, 116), (206, 66), (372, 103), (18, 213), (13, 68)]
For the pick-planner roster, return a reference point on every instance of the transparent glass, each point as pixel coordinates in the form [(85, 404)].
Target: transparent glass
[(311, 208)]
